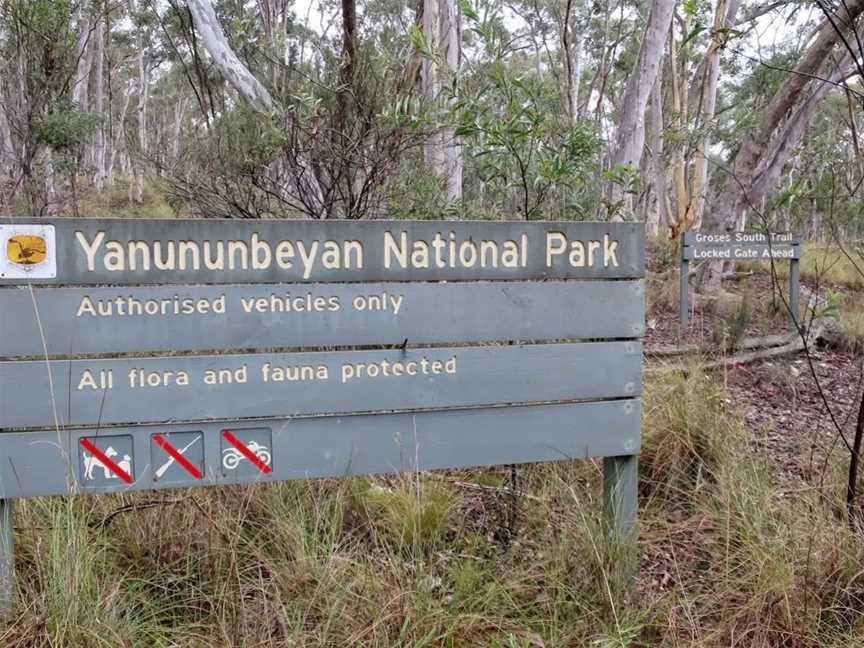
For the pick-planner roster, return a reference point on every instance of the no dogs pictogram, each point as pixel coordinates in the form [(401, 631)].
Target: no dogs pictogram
[(99, 459)]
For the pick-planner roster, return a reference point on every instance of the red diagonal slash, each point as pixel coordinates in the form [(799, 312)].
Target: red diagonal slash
[(246, 452), (163, 443), (106, 460)]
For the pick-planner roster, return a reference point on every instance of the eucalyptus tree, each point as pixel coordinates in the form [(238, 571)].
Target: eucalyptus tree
[(321, 148), (40, 48), (764, 151), (441, 23), (526, 153), (630, 132)]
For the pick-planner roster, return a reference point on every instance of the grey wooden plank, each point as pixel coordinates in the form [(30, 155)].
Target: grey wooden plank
[(742, 252), (611, 250), (745, 238), (250, 317), (50, 463), (332, 382)]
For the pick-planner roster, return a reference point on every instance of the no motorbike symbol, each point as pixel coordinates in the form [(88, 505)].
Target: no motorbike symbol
[(246, 447)]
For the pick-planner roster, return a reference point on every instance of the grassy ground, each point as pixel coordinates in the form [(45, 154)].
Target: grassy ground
[(113, 201), (822, 264), (731, 556), (835, 266)]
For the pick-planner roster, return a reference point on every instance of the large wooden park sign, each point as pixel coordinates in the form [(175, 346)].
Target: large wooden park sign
[(146, 354)]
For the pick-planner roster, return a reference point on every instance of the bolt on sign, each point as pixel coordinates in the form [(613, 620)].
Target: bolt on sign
[(741, 246), (149, 354)]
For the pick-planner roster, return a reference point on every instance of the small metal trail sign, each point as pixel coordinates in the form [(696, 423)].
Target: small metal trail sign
[(740, 246), (148, 354)]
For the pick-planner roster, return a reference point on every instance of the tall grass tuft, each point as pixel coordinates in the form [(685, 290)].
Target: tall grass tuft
[(74, 594), (410, 514), (851, 321), (689, 434)]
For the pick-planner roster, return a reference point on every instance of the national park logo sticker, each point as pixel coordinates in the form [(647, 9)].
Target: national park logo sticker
[(27, 252)]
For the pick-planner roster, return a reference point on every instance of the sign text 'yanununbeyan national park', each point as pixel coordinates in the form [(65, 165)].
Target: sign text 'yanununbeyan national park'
[(142, 354)]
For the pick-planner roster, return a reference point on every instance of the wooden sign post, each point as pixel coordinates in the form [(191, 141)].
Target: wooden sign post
[(740, 246), (456, 344)]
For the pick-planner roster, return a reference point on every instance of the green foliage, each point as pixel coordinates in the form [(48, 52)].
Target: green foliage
[(518, 144), (747, 100), (418, 41), (739, 322), (626, 177), (832, 305), (242, 141), (522, 153), (664, 252), (729, 316), (65, 128), (417, 194)]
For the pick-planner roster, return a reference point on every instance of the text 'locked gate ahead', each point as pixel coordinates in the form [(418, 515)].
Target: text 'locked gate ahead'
[(146, 354)]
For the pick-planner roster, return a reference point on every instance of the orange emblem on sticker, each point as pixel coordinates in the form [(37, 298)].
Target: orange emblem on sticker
[(26, 249)]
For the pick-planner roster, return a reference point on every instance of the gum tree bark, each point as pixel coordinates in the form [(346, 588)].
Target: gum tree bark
[(656, 211), (574, 30), (630, 138), (680, 110), (251, 89), (81, 83), (213, 38), (99, 105), (136, 187), (763, 152), (724, 15), (7, 149), (441, 28), (119, 135)]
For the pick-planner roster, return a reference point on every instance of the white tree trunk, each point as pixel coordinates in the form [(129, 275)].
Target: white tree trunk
[(724, 14), (576, 36), (630, 137), (657, 213), (7, 148), (213, 38), (441, 28), (45, 165), (433, 150), (84, 51), (98, 106), (179, 113), (119, 134), (136, 187), (451, 33)]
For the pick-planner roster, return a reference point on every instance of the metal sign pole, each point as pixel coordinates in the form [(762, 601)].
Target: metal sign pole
[(794, 290), (684, 306), (620, 503), (7, 556)]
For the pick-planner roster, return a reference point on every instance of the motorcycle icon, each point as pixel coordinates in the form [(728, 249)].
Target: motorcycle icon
[(231, 457)]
